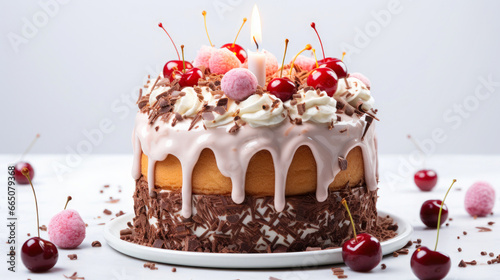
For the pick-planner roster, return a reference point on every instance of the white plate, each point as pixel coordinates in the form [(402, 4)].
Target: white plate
[(243, 260)]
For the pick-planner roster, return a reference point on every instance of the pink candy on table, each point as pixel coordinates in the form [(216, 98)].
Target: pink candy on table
[(203, 56), (362, 78), (67, 229), (480, 199), (239, 83), (223, 60)]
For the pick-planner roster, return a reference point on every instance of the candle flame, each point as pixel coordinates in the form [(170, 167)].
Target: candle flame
[(255, 27)]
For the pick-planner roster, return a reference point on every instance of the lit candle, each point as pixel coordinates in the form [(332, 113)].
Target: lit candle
[(257, 60)]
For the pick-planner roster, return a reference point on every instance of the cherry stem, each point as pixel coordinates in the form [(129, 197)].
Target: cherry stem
[(440, 210), (204, 13), (343, 54), (344, 202), (283, 62), (307, 48), (177, 51), (419, 148), (26, 174), (183, 61), (256, 44), (315, 58), (69, 198), (30, 146), (313, 25), (237, 34)]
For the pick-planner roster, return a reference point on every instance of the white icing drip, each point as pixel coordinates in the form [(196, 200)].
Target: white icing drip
[(234, 151)]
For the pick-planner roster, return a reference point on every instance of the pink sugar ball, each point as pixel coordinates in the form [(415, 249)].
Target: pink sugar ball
[(67, 229), (480, 199), (271, 64), (362, 78), (223, 60), (203, 56), (306, 63), (239, 83)]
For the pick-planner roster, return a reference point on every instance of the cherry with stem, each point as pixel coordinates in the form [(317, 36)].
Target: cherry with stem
[(190, 77), (173, 65), (37, 254), (337, 65), (363, 252), (236, 49), (428, 264), (282, 87)]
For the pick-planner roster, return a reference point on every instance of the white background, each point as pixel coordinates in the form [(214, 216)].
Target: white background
[(80, 63)]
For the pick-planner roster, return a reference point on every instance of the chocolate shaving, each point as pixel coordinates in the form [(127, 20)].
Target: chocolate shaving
[(207, 116), (43, 228), (96, 244), (462, 264), (369, 121), (72, 257), (150, 265), (301, 108), (483, 229), (107, 212), (342, 163), (74, 276)]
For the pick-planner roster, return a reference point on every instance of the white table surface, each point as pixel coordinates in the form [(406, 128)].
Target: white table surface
[(85, 181)]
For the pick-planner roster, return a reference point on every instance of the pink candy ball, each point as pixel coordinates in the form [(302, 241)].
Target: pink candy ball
[(223, 60), (203, 56), (480, 199), (67, 229), (362, 78), (271, 64), (306, 63), (239, 83)]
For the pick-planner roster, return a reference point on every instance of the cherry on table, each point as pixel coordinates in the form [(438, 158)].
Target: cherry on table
[(18, 175), (425, 179), (323, 78), (429, 264), (39, 255), (363, 252), (429, 213)]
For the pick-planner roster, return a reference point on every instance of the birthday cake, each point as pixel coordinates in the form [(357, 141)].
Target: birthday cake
[(223, 164)]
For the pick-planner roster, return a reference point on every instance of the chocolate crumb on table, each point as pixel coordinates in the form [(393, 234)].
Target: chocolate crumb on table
[(150, 265), (458, 237), (462, 264), (491, 223), (473, 262), (96, 244), (483, 229), (383, 266), (74, 276), (459, 249), (107, 212), (491, 254), (72, 257), (403, 251), (465, 233), (174, 269), (395, 254), (409, 244), (273, 278), (483, 253), (43, 228)]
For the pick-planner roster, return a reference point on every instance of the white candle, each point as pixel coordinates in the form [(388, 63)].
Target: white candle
[(257, 60), (257, 65)]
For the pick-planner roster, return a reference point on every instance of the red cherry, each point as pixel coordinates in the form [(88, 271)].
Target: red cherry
[(283, 88), (238, 51), (18, 175), (428, 264), (362, 253), (190, 77), (425, 179), (429, 213), (336, 65), (323, 78), (174, 65), (39, 255)]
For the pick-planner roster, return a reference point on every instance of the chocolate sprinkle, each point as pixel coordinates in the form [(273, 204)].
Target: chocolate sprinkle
[(96, 244), (342, 163), (72, 257), (483, 229)]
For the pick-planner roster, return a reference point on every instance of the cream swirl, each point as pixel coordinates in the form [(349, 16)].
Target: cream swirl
[(262, 110), (314, 107), (222, 119), (354, 90), (188, 104)]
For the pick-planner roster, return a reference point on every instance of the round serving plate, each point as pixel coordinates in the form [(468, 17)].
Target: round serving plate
[(243, 260)]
